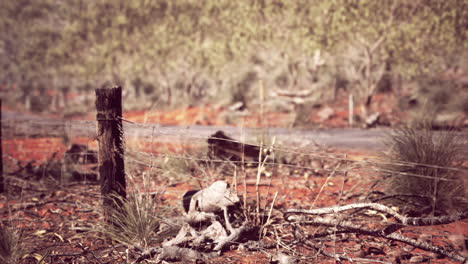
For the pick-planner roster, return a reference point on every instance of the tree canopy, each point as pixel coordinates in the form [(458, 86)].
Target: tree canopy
[(120, 39)]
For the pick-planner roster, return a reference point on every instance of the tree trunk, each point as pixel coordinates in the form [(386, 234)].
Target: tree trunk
[(350, 109), (365, 107), (65, 97), (111, 151), (2, 186), (27, 102)]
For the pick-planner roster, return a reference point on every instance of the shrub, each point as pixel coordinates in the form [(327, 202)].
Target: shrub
[(149, 88), (439, 93), (40, 103), (464, 105), (241, 90), (421, 169)]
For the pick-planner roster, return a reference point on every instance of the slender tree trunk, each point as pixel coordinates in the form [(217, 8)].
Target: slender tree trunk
[(366, 106), (27, 102), (2, 186), (350, 109)]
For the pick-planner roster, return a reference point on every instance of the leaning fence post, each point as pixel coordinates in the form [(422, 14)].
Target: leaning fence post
[(2, 186), (111, 151)]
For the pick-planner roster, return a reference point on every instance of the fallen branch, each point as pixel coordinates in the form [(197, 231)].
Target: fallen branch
[(403, 220), (300, 93), (174, 253), (233, 237), (354, 228), (339, 257)]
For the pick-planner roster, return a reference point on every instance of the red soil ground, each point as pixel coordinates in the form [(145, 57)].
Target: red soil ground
[(49, 218)]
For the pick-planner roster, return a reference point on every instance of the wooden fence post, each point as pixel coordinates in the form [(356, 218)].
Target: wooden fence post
[(2, 186), (111, 151)]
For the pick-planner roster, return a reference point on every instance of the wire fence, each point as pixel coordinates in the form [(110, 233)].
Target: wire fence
[(148, 144), (324, 176), (180, 137)]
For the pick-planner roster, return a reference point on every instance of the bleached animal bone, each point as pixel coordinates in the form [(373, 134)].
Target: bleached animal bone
[(215, 198)]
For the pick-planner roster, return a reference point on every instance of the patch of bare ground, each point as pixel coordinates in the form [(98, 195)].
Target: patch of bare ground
[(305, 206), (57, 220)]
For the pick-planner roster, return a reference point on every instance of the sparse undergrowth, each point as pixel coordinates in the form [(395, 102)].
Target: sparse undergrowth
[(311, 177), (11, 245), (423, 171), (136, 222)]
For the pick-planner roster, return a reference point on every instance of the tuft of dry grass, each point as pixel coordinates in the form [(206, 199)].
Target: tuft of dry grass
[(136, 222), (422, 169), (11, 246)]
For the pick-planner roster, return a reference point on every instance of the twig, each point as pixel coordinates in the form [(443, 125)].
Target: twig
[(339, 257), (86, 250), (332, 173)]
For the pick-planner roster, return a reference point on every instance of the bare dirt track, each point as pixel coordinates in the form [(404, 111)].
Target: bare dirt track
[(22, 125)]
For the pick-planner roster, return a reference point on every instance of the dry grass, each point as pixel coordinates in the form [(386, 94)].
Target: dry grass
[(421, 171), (11, 246), (136, 222)]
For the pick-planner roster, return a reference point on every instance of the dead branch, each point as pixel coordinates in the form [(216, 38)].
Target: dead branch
[(403, 220), (300, 93), (174, 253), (339, 257), (425, 246), (29, 205), (234, 236), (354, 228), (86, 250)]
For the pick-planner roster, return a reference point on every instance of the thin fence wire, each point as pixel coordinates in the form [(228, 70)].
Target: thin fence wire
[(74, 129), (139, 153), (397, 173), (317, 154)]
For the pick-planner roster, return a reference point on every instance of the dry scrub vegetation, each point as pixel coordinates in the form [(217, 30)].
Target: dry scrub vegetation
[(424, 172), (170, 54), (294, 206)]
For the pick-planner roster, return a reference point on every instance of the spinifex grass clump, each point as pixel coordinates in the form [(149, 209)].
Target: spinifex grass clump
[(11, 246), (135, 222), (422, 170)]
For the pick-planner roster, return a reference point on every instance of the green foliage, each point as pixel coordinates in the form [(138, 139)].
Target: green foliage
[(419, 169), (119, 40), (443, 97), (29, 33), (243, 87), (417, 35)]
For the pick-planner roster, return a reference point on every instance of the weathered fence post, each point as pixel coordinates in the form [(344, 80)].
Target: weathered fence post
[(2, 186), (111, 151)]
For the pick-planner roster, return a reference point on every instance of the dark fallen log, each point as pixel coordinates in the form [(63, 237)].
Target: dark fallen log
[(224, 147)]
